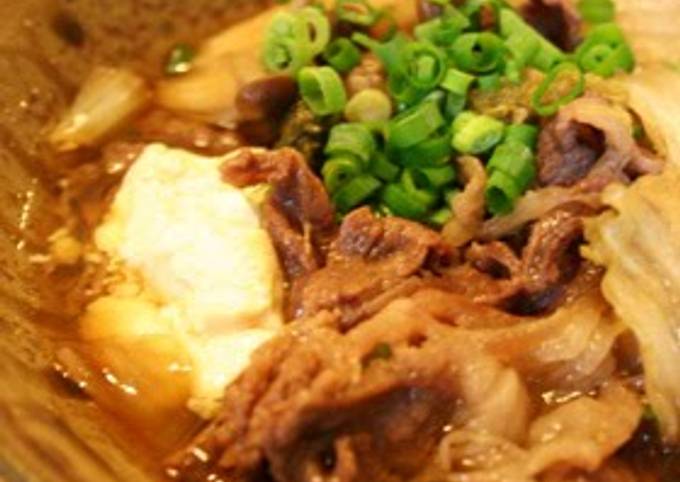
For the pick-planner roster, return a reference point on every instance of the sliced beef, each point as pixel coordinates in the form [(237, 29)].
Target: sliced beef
[(370, 405), (567, 151), (298, 214), (193, 135), (530, 282), (557, 20), (589, 145), (372, 259)]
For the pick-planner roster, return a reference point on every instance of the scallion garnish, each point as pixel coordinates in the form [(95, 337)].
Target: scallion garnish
[(342, 55), (565, 73), (414, 126), (353, 139), (476, 134), (355, 192), (358, 12), (322, 90), (478, 52), (338, 171), (179, 60), (605, 51)]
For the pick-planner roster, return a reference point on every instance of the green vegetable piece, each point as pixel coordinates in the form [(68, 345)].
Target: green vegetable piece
[(179, 60), (478, 52), (339, 171), (476, 134), (554, 76), (355, 140), (342, 55), (322, 90), (355, 192), (414, 126)]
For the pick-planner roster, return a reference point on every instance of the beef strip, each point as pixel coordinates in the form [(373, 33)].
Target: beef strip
[(567, 152), (371, 259), (557, 20), (298, 214), (534, 282), (316, 405), (589, 145), (185, 133)]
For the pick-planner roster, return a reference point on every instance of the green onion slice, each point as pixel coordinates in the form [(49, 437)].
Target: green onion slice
[(432, 152), (322, 90), (417, 186), (596, 11), (336, 172), (179, 60), (317, 28), (342, 55), (566, 72), (400, 202), (501, 193), (476, 134), (438, 177), (605, 51), (352, 139), (358, 12), (370, 105), (383, 169), (355, 192), (424, 65), (440, 217), (515, 160), (414, 126), (526, 134), (478, 52)]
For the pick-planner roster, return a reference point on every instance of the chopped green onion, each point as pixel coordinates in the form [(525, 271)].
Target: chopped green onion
[(179, 60), (476, 134), (338, 171), (524, 133), (605, 51), (401, 203), (443, 30), (455, 104), (403, 91), (317, 28), (438, 177), (440, 218), (370, 105), (414, 126), (515, 160), (322, 90), (417, 186), (597, 11), (489, 83), (383, 169), (342, 55), (389, 52), (478, 52), (501, 193), (355, 192), (523, 46), (358, 12), (432, 152), (354, 139), (513, 26), (567, 70), (457, 82), (294, 39), (424, 65)]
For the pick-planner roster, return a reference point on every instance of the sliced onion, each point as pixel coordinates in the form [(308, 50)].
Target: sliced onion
[(108, 99)]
